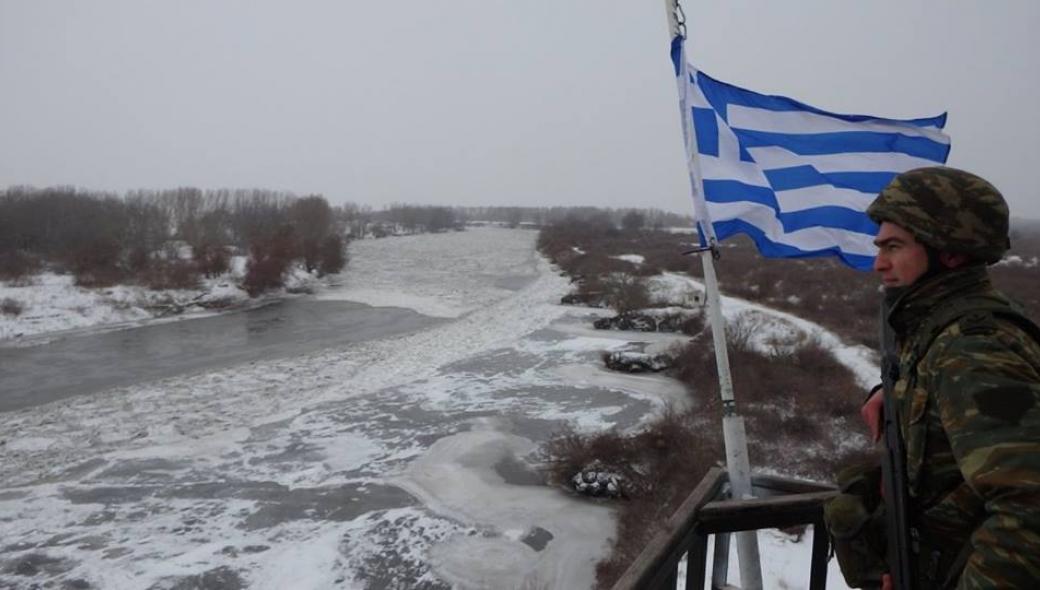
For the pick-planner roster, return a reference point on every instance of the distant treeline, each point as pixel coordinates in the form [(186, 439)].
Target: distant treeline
[(170, 238), (103, 238), (543, 216), (400, 218)]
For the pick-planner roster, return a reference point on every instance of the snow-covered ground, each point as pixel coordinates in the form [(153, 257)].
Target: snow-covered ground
[(52, 305), (633, 258), (399, 462), (769, 327)]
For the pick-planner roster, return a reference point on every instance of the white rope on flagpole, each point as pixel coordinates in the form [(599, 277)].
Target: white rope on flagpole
[(733, 432)]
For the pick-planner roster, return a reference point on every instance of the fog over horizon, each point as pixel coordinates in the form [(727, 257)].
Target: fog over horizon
[(471, 103)]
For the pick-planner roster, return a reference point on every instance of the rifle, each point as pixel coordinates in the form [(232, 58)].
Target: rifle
[(893, 480), (893, 471)]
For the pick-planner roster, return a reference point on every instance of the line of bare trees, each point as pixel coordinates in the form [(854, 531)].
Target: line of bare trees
[(103, 238), (414, 219), (543, 216)]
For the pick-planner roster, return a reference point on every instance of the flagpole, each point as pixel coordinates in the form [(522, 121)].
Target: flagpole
[(733, 433)]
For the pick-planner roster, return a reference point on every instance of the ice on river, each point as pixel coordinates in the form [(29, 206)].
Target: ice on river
[(401, 462)]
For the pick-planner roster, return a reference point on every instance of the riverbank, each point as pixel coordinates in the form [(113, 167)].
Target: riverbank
[(51, 306)]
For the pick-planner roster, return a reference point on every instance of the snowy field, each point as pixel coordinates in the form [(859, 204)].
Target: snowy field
[(403, 462)]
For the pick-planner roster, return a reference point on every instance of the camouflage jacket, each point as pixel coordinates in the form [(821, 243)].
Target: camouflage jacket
[(969, 404)]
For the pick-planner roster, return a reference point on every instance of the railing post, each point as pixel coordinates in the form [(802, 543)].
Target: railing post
[(720, 562), (696, 560), (671, 580), (820, 549)]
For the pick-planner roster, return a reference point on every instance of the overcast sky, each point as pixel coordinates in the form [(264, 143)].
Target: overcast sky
[(470, 102)]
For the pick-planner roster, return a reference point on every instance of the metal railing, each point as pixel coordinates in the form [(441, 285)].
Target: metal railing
[(778, 503)]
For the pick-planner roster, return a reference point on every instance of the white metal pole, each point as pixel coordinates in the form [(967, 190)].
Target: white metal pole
[(733, 433)]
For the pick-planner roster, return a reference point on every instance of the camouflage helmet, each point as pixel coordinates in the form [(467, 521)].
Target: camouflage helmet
[(947, 209)]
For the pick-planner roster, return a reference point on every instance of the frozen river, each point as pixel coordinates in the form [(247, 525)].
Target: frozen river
[(392, 452), (89, 363)]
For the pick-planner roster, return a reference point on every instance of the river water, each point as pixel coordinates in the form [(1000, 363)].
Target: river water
[(85, 364), (321, 443)]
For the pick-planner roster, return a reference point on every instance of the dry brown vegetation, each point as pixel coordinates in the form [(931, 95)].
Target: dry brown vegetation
[(1020, 282), (822, 290), (660, 465), (103, 239), (584, 248), (798, 404)]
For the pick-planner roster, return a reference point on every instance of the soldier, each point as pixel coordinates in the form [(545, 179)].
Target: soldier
[(966, 392)]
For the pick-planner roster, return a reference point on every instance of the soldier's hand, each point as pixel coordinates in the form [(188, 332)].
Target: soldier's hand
[(871, 412)]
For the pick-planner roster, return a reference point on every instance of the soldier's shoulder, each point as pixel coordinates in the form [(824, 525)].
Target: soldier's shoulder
[(985, 330)]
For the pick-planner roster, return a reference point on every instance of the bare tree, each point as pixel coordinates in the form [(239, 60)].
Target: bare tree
[(312, 220)]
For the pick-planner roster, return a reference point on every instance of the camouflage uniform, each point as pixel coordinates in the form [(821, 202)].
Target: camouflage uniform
[(967, 394), (970, 408)]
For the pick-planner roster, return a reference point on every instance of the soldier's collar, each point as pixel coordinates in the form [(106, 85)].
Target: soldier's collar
[(911, 308)]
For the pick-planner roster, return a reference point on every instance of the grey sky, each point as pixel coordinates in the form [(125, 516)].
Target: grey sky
[(532, 102)]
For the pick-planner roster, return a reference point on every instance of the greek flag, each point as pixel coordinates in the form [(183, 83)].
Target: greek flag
[(794, 178)]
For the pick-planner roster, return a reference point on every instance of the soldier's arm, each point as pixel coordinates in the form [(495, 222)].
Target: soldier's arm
[(988, 393)]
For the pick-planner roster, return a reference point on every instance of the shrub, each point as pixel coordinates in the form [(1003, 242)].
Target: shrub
[(333, 256), (211, 259), (98, 277), (264, 273), (139, 261), (633, 221), (790, 399), (172, 274), (96, 263), (659, 466), (693, 325), (10, 307), (17, 266), (269, 260), (624, 292)]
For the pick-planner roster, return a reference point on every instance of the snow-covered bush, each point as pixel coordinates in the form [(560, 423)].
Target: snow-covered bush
[(631, 361), (597, 481)]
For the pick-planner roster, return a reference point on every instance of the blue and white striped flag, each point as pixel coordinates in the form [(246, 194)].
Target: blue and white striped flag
[(795, 178)]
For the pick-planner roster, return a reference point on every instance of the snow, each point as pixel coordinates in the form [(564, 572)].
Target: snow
[(54, 306), (454, 478), (455, 282), (356, 466), (769, 327), (1015, 260), (675, 289), (664, 312), (633, 258), (785, 562)]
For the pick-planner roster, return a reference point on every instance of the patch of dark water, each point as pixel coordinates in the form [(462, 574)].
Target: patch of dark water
[(537, 538), (515, 472), (219, 578), (95, 362), (276, 503), (514, 282)]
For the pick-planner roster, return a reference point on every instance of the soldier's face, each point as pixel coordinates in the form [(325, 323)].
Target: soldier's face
[(901, 259)]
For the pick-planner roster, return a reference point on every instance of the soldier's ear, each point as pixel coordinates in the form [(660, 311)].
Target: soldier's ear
[(950, 260)]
